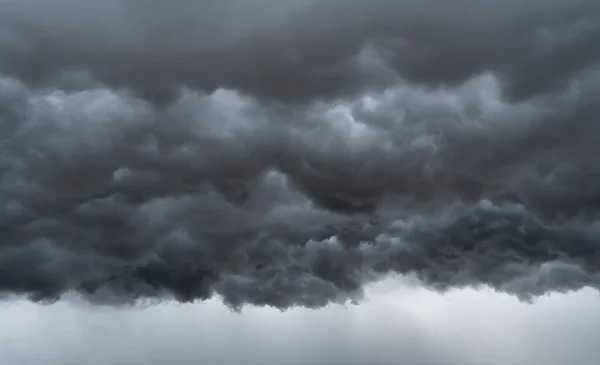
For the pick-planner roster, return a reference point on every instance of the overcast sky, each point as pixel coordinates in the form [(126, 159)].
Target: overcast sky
[(205, 181), (398, 324)]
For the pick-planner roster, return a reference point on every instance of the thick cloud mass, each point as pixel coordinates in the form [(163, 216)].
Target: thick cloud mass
[(288, 153), (296, 50)]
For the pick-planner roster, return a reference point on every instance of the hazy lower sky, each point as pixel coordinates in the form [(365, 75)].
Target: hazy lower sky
[(205, 181), (398, 325)]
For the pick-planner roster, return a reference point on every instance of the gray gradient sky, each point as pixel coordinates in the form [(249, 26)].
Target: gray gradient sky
[(399, 324)]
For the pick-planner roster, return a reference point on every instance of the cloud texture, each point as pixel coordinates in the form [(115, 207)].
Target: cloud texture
[(287, 153)]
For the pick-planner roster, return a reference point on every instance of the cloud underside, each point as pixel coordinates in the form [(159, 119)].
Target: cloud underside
[(290, 156)]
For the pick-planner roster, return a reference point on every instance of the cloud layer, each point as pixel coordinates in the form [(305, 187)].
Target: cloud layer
[(289, 156), (300, 50)]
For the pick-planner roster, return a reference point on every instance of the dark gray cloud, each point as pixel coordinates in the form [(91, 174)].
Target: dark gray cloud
[(300, 50), (456, 146)]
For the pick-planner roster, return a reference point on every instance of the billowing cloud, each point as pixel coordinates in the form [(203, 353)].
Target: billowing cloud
[(289, 157)]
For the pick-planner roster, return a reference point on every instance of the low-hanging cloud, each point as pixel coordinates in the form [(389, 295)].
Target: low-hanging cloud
[(290, 158)]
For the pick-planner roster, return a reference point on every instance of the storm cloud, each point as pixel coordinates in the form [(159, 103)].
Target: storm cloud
[(289, 153), (294, 51)]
